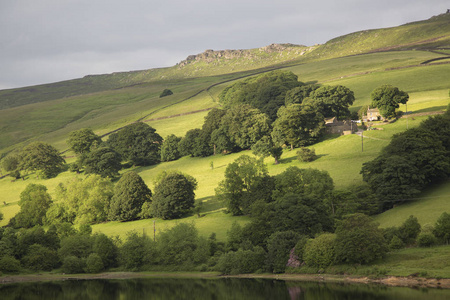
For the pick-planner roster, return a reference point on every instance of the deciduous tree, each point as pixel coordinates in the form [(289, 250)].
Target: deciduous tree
[(241, 178), (174, 195), (359, 240), (138, 143), (81, 141), (41, 157), (387, 98), (130, 193), (34, 203), (103, 161)]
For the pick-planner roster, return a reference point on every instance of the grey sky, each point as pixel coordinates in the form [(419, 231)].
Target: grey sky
[(45, 41)]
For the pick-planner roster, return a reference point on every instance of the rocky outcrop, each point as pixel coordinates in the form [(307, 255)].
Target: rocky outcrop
[(210, 56)]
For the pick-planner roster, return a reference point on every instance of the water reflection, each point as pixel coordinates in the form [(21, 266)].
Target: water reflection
[(226, 288)]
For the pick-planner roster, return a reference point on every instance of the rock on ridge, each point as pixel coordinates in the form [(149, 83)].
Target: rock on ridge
[(210, 56)]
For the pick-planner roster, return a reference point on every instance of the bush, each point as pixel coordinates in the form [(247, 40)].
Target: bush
[(306, 155), (359, 240), (137, 251), (165, 93), (320, 252), (72, 264), (94, 263), (396, 243), (426, 239), (279, 246), (40, 258), (409, 230), (241, 261), (9, 264)]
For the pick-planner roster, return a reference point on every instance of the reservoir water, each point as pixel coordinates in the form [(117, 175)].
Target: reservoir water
[(223, 288)]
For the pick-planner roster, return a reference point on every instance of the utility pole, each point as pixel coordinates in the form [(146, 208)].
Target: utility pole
[(406, 116), (154, 230), (362, 142)]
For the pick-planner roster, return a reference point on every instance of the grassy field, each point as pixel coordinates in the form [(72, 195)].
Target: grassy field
[(426, 208), (431, 262)]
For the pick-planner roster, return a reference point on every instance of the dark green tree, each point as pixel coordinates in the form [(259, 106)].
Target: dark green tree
[(174, 195), (181, 245), (137, 143), (169, 148), (11, 162), (165, 92), (409, 230), (137, 251), (279, 246), (130, 193), (298, 94), (245, 125), (440, 125), (41, 157), (333, 101), (40, 258), (387, 98), (265, 92), (306, 154), (359, 240), (442, 228), (412, 160), (221, 141), (311, 182), (81, 141), (103, 161), (213, 121), (297, 125)]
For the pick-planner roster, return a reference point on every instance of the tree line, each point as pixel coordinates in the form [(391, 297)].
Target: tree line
[(95, 199), (355, 240)]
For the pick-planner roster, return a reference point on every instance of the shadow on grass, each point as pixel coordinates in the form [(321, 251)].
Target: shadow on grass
[(288, 160), (428, 109), (210, 204)]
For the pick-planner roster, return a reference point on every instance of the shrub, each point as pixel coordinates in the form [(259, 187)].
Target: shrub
[(396, 243), (40, 258), (442, 228), (72, 264), (306, 155), (241, 261), (94, 263), (426, 239), (409, 230), (137, 251), (320, 252), (165, 93), (359, 240), (9, 264), (279, 246)]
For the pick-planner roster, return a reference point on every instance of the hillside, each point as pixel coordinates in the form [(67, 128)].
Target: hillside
[(107, 102)]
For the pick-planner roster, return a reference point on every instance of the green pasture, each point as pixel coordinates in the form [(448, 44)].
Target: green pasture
[(427, 207), (333, 69), (411, 80), (431, 262), (209, 222)]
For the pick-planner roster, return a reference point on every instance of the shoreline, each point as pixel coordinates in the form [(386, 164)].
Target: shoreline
[(393, 281)]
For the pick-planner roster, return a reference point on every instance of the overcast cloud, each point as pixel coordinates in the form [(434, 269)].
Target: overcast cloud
[(46, 41)]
